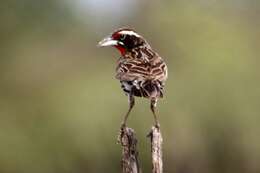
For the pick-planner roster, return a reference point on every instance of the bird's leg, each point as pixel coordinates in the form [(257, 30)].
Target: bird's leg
[(131, 101), (153, 106)]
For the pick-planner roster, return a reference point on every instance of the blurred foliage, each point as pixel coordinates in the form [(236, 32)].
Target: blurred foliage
[(60, 106)]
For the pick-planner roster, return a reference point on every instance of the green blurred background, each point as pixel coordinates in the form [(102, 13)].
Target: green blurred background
[(61, 107)]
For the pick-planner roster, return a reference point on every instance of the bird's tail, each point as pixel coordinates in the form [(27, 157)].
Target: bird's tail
[(151, 89)]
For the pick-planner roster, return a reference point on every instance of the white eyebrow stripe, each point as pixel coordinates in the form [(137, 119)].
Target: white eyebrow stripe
[(129, 33)]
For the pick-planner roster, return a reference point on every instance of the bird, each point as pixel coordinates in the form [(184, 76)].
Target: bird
[(141, 71)]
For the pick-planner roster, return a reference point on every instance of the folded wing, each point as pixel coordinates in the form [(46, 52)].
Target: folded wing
[(142, 78)]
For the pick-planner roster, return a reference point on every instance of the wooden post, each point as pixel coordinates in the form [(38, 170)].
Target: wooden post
[(128, 141), (156, 149)]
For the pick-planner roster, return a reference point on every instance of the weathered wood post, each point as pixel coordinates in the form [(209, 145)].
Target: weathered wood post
[(128, 141), (156, 150)]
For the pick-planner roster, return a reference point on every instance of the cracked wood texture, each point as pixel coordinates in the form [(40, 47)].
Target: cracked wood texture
[(128, 142), (130, 162), (156, 149)]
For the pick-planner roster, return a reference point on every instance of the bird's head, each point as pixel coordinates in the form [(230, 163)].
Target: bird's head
[(123, 39)]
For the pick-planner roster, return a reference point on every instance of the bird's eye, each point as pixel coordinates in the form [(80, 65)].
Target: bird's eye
[(123, 37)]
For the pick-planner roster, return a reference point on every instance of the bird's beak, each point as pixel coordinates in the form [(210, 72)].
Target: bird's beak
[(108, 41)]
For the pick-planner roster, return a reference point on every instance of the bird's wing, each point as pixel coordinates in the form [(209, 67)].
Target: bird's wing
[(134, 69), (159, 71), (130, 70)]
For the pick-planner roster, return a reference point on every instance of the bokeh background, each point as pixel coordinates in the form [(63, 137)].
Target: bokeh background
[(61, 107)]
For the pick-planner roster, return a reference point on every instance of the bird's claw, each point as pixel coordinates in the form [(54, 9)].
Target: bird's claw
[(123, 126), (121, 133), (157, 125)]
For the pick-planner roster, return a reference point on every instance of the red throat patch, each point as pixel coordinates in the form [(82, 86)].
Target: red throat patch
[(121, 49)]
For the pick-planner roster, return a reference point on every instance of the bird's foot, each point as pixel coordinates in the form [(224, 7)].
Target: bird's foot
[(123, 126), (121, 132), (157, 125)]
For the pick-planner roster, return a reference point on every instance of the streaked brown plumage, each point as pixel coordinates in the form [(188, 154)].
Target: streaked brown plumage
[(141, 71)]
